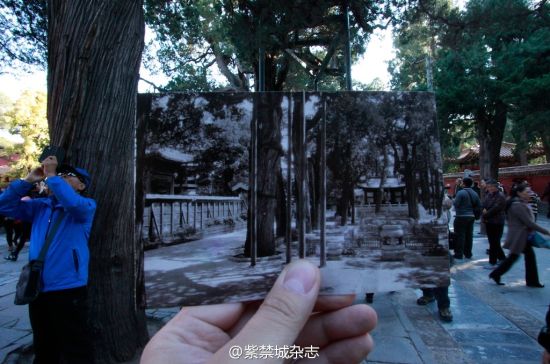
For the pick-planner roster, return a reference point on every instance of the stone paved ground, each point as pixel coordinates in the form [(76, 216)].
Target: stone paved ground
[(491, 323)]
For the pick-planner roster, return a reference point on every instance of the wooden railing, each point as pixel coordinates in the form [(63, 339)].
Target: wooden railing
[(169, 218)]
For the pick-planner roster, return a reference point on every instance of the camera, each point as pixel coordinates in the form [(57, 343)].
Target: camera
[(51, 150)]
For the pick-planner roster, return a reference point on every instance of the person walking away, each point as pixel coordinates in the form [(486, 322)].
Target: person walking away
[(12, 234), (458, 186), (534, 202), (520, 224), (22, 235), (465, 202), (493, 206), (59, 314), (482, 192), (24, 227)]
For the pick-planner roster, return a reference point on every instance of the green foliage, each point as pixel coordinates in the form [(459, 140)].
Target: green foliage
[(23, 26), (374, 85), (491, 61), (5, 105), (529, 91), (296, 36), (27, 118), (192, 78)]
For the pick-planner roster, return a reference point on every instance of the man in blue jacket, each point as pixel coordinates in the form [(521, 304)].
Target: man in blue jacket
[(465, 202), (59, 315)]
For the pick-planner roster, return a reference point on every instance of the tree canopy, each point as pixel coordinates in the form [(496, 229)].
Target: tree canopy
[(297, 36), (488, 68), (23, 27), (27, 118)]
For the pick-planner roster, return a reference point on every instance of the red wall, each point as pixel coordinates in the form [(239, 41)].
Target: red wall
[(538, 183)]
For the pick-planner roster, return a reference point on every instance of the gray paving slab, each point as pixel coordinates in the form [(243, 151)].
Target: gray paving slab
[(10, 336), (391, 349)]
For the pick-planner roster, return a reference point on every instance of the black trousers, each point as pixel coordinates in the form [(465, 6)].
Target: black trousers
[(464, 235), (494, 234), (12, 233), (59, 321), (24, 236), (531, 272), (441, 295)]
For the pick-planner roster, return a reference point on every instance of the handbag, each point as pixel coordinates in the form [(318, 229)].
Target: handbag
[(538, 241), (476, 208), (30, 280)]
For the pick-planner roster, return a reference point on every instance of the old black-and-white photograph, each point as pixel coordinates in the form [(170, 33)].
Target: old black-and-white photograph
[(239, 184)]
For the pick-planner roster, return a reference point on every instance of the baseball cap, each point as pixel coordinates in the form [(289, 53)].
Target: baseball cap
[(80, 173)]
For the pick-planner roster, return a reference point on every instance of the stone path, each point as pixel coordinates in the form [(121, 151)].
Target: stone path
[(492, 324)]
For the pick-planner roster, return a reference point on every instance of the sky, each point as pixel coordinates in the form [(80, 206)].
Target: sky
[(373, 64)]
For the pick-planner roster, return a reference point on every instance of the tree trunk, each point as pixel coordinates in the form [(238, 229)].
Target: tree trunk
[(490, 132), (521, 149), (281, 204), (269, 160), (546, 145), (269, 112), (345, 201), (409, 157), (94, 52)]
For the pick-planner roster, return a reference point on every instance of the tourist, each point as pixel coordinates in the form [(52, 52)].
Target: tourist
[(520, 225)]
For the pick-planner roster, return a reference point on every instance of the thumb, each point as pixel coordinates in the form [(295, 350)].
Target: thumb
[(285, 310)]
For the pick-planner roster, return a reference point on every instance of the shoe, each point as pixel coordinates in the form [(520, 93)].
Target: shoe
[(458, 257), (11, 257), (496, 278), (369, 297), (445, 315), (468, 256), (536, 285), (424, 300)]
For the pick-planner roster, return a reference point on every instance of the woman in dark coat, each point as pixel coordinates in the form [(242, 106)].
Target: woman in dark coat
[(520, 224)]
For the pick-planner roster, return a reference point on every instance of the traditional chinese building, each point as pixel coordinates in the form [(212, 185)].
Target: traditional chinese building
[(469, 157)]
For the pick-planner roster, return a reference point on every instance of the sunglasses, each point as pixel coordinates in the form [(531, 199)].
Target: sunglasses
[(70, 174)]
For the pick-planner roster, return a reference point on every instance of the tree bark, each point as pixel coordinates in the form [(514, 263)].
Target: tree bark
[(269, 157), (269, 111), (281, 204), (94, 53), (490, 132), (521, 149), (546, 145)]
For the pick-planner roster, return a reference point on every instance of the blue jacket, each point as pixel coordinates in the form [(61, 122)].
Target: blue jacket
[(67, 259), (463, 202)]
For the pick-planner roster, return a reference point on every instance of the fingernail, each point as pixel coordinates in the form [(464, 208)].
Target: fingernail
[(300, 277)]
